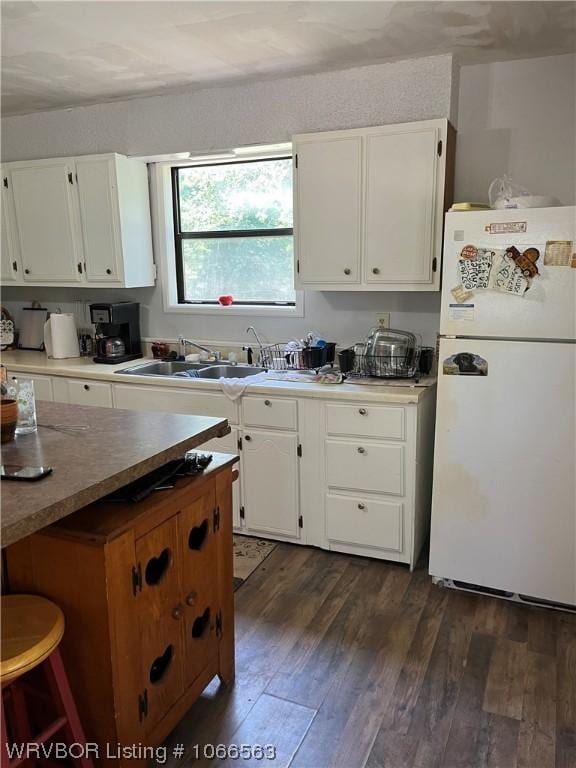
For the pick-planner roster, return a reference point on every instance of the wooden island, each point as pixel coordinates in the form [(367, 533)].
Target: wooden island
[(147, 587)]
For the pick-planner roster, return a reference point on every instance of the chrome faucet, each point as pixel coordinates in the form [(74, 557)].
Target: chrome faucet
[(251, 328), (184, 342)]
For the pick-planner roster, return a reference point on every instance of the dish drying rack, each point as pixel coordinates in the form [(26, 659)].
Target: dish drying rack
[(386, 366), (280, 357)]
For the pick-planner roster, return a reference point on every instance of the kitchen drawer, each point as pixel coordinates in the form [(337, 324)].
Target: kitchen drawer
[(365, 522), (175, 401), (270, 412), (365, 466), (226, 444), (382, 421), (81, 392), (42, 384)]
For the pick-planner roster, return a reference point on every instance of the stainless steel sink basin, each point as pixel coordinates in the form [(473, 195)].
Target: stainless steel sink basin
[(205, 370), (162, 368), (229, 371)]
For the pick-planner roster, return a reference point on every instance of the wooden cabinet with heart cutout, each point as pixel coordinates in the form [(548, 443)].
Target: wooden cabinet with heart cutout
[(147, 592)]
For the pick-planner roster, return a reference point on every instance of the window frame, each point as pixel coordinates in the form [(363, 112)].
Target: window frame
[(180, 236)]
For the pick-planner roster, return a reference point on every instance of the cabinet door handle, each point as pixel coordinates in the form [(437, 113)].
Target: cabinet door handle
[(362, 411), (361, 506), (15, 266), (375, 271), (26, 271), (177, 612), (347, 271), (79, 267), (108, 271), (191, 598), (267, 402), (247, 437), (361, 450), (87, 387), (70, 179)]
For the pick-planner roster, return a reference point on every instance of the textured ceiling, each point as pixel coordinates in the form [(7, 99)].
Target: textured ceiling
[(60, 54)]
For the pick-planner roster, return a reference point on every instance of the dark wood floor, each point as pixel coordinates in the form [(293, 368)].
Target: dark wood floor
[(349, 662)]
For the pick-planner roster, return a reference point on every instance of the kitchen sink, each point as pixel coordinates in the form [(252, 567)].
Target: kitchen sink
[(171, 368), (229, 371), (162, 368)]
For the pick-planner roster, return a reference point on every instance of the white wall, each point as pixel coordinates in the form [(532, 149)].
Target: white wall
[(518, 117), (256, 113)]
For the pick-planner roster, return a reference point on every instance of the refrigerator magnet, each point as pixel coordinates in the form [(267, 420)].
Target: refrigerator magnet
[(469, 252), (461, 294), (475, 273), (506, 227), (507, 277), (465, 364), (525, 261), (557, 253)]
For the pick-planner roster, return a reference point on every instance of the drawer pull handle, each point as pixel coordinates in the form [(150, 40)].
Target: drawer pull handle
[(361, 506), (191, 598), (247, 437), (267, 402), (361, 450), (362, 411), (87, 387), (177, 612)]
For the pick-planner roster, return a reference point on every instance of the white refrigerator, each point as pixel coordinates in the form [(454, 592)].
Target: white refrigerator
[(504, 493)]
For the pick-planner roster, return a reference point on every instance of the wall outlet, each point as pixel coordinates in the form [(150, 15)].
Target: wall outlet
[(383, 319)]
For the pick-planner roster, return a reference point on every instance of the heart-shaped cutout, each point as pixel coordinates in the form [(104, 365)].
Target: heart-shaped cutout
[(201, 623), (156, 567), (197, 535), (160, 665)]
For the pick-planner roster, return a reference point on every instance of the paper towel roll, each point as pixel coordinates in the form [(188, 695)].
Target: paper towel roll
[(61, 337)]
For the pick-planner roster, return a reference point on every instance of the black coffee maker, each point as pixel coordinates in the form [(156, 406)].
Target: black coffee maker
[(117, 331)]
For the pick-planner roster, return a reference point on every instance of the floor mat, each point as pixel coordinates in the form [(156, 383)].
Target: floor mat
[(249, 553)]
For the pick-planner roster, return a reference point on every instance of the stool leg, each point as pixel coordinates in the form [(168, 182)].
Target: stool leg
[(13, 700), (4, 734), (60, 689)]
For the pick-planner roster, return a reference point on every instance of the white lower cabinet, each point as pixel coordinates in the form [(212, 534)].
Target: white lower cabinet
[(137, 398), (347, 476), (365, 465), (270, 483), (42, 384), (365, 521), (227, 444), (82, 392)]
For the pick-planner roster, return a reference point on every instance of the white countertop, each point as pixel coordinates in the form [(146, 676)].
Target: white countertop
[(85, 368)]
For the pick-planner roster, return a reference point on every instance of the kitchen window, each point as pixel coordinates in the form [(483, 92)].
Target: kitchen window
[(233, 233)]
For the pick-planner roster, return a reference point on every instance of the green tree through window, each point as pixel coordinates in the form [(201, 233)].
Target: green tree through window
[(233, 231)]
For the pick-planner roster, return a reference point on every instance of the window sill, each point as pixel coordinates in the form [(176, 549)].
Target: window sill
[(243, 310)]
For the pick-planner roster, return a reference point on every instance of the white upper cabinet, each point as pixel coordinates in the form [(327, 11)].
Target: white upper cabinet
[(47, 232), (328, 208), (115, 218), (375, 198), (81, 221), (10, 267), (400, 204)]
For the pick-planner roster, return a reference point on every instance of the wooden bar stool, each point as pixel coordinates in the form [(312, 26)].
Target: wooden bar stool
[(32, 628)]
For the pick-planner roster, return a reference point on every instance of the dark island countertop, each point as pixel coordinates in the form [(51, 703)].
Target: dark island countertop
[(113, 448)]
